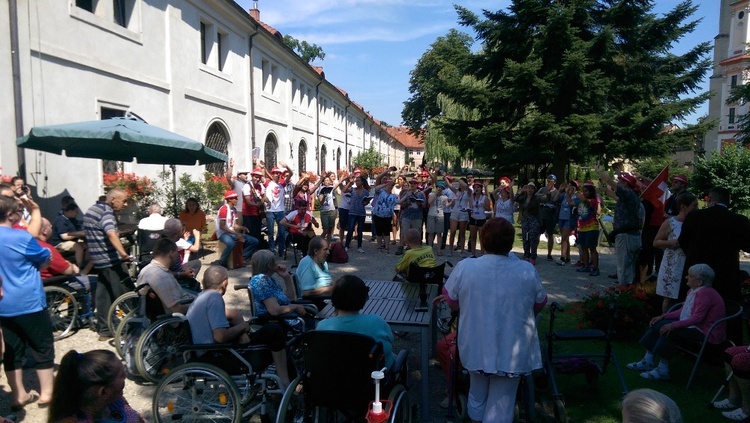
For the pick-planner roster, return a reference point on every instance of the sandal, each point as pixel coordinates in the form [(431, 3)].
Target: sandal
[(33, 397), (640, 365), (724, 404), (655, 375), (736, 415)]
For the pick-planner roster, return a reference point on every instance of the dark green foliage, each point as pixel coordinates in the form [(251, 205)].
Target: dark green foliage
[(728, 170), (308, 52), (368, 160), (575, 81)]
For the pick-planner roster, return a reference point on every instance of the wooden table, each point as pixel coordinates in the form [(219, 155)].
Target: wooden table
[(395, 303)]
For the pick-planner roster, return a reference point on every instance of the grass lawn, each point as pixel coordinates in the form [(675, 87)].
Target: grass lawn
[(602, 403)]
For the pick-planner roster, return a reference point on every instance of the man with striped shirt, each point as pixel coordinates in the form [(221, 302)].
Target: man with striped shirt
[(108, 255)]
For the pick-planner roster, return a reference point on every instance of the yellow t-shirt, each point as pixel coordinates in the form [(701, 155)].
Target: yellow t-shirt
[(423, 255)]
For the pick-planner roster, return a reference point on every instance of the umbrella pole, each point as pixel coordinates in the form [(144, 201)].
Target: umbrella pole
[(174, 189)]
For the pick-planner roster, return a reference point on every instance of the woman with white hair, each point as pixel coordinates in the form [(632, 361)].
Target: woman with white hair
[(649, 406), (701, 309)]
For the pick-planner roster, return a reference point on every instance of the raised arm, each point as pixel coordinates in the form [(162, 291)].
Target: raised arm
[(604, 176), (230, 170)]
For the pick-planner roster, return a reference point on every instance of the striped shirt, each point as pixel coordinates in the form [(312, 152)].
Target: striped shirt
[(99, 220)]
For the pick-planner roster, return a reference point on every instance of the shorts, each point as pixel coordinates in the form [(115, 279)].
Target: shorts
[(435, 224), (548, 224), (382, 225), (411, 223), (66, 246), (566, 224), (343, 217), (588, 239), (460, 216), (32, 330), (328, 219), (476, 222)]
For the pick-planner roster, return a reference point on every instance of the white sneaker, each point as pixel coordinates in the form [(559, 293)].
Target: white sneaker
[(736, 415), (360, 250), (346, 249)]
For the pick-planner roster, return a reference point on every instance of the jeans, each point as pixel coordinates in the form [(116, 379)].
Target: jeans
[(662, 345), (251, 244), (627, 246), (272, 217), (360, 222)]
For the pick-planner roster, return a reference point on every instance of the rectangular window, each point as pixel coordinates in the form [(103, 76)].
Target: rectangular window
[(89, 5), (274, 78), (734, 81), (123, 11), (265, 68), (204, 47), (222, 47), (732, 115)]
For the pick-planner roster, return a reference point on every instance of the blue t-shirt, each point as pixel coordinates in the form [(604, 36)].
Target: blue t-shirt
[(311, 275), (20, 258), (356, 208), (265, 287), (205, 314), (383, 203), (364, 324), (63, 225), (412, 209)]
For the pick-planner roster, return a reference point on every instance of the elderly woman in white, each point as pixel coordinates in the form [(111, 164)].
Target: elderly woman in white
[(498, 295)]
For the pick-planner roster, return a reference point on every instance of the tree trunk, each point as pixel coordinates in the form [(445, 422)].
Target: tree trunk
[(560, 165)]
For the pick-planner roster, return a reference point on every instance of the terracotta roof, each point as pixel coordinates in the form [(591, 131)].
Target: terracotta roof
[(401, 133), (735, 59)]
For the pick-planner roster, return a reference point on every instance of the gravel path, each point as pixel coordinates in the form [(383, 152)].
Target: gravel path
[(562, 283)]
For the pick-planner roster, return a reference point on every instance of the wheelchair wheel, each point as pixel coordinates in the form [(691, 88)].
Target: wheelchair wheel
[(157, 351), (197, 392), (63, 310), (443, 317), (292, 406), (120, 307), (119, 339), (559, 409), (462, 407), (401, 412)]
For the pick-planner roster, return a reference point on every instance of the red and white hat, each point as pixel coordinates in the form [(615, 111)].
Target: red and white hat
[(357, 172), (228, 194), (276, 169), (630, 179), (680, 178), (257, 172)]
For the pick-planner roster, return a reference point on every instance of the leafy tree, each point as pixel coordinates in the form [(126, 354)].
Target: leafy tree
[(308, 52), (438, 70), (727, 170), (580, 80), (368, 160)]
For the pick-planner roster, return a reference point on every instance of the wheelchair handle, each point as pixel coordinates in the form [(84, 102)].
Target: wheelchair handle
[(555, 306), (239, 286)]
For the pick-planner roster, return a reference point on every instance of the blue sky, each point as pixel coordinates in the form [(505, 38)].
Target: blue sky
[(372, 45)]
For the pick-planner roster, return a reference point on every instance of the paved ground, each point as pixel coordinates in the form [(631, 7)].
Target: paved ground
[(562, 283)]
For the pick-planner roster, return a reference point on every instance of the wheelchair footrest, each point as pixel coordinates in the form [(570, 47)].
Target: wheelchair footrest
[(579, 334)]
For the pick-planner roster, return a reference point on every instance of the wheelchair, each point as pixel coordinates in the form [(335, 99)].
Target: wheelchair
[(432, 275), (589, 364), (336, 385), (69, 303), (149, 339), (217, 383)]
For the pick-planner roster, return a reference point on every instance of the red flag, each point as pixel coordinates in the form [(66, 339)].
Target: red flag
[(657, 194)]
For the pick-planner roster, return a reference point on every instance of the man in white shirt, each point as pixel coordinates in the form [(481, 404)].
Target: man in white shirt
[(154, 221), (275, 211)]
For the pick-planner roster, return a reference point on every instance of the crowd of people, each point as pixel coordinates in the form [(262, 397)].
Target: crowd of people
[(423, 216)]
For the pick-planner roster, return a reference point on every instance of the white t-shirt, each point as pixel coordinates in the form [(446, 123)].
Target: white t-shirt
[(275, 195), (449, 195), (228, 214), (437, 204)]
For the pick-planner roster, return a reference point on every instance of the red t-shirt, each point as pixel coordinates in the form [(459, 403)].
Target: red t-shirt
[(58, 264)]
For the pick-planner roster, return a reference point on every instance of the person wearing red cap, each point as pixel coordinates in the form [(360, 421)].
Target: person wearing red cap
[(275, 210), (679, 186), (237, 182), (253, 207), (628, 221), (229, 231)]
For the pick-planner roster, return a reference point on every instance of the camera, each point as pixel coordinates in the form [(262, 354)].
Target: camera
[(25, 189)]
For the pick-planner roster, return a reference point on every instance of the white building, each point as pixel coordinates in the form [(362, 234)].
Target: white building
[(205, 69), (731, 60)]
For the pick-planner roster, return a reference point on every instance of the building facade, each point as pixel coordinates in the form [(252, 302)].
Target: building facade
[(205, 69), (731, 60)]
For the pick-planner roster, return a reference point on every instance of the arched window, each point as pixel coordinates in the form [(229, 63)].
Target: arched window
[(302, 157), (323, 154), (217, 139), (338, 158), (271, 149)]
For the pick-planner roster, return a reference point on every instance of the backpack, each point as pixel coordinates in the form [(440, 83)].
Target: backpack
[(130, 334), (338, 254)]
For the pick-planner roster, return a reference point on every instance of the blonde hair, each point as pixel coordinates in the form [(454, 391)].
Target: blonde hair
[(649, 406)]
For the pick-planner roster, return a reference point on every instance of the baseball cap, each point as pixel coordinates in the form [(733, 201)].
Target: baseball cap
[(504, 178), (680, 178), (242, 170), (441, 184), (276, 169), (552, 176), (413, 181), (357, 172), (630, 179), (230, 194), (256, 172), (532, 184)]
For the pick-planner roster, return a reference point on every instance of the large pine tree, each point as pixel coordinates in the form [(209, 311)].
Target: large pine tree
[(577, 80)]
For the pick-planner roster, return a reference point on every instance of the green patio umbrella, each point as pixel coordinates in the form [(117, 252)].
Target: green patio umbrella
[(119, 139)]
